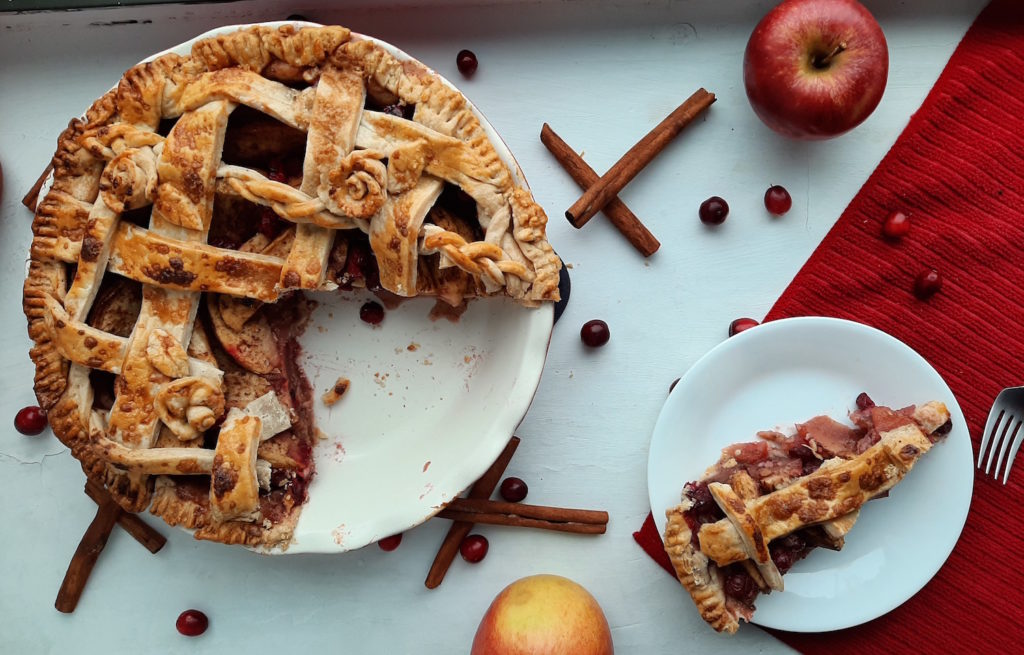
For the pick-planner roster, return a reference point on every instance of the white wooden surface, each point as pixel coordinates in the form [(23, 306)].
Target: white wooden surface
[(601, 73)]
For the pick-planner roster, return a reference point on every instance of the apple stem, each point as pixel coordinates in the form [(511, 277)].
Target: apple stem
[(823, 62)]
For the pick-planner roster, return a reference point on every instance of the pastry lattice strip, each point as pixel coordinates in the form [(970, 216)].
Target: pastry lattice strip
[(834, 491), (830, 497), (412, 151), (115, 161)]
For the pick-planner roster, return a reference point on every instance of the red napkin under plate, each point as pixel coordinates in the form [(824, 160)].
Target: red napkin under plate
[(958, 171)]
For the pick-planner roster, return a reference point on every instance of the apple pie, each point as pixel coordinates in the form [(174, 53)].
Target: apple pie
[(192, 208), (766, 504)]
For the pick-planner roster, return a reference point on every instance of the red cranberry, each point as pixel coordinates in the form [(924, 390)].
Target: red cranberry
[(896, 225), (741, 586), (741, 325), (372, 313), (270, 223), (777, 200), (466, 61), (927, 284), (713, 211), (276, 172), (388, 544), (595, 333), (473, 548), (513, 489), (792, 542), (399, 109), (357, 261), (783, 559), (30, 420), (192, 623), (225, 242), (864, 401), (672, 386), (704, 508)]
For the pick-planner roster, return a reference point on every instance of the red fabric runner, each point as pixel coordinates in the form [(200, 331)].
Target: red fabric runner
[(958, 170)]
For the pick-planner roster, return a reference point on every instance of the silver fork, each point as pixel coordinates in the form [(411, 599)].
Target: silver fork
[(1003, 432)]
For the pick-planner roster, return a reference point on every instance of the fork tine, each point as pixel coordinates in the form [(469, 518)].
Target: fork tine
[(1014, 447), (994, 416), (1009, 434), (1001, 427)]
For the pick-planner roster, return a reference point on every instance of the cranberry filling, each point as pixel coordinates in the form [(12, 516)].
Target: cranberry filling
[(864, 401), (788, 551), (778, 454), (360, 264), (401, 110), (739, 585), (703, 509)]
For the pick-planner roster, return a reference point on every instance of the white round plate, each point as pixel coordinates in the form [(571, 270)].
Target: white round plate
[(788, 371), (431, 405)]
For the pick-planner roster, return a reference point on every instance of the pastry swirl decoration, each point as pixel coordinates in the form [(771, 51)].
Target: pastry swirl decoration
[(129, 180), (189, 406), (357, 187)]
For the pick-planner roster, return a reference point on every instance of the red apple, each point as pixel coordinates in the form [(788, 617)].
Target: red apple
[(543, 615), (814, 69)]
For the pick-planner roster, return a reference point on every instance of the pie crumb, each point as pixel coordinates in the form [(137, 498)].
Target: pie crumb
[(335, 393), (413, 347)]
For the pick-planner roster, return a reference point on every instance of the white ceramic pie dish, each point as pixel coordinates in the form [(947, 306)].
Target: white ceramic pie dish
[(431, 403), (790, 370)]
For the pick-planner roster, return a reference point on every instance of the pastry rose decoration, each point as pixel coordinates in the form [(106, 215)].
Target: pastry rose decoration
[(190, 406), (357, 188), (129, 180)]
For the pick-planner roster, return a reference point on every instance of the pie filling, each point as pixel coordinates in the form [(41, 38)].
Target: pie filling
[(243, 353), (194, 206), (777, 462)]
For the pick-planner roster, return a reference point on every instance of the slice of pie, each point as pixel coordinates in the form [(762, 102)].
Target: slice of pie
[(766, 504), (190, 210)]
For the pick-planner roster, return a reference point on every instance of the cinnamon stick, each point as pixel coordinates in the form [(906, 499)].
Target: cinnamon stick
[(542, 512), (481, 489), (618, 176), (522, 522), (624, 220), (32, 196), (129, 522), (496, 512), (88, 551)]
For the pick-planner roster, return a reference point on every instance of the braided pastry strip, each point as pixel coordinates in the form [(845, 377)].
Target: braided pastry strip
[(287, 202), (479, 258)]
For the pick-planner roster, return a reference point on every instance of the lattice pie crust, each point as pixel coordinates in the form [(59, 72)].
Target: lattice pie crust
[(365, 172)]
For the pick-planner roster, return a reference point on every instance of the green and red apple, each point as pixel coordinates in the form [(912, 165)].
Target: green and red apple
[(543, 615)]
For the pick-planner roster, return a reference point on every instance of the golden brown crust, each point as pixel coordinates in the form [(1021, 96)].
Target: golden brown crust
[(692, 570), (745, 526), (830, 497), (161, 261), (234, 490), (831, 492), (113, 161), (446, 111)]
